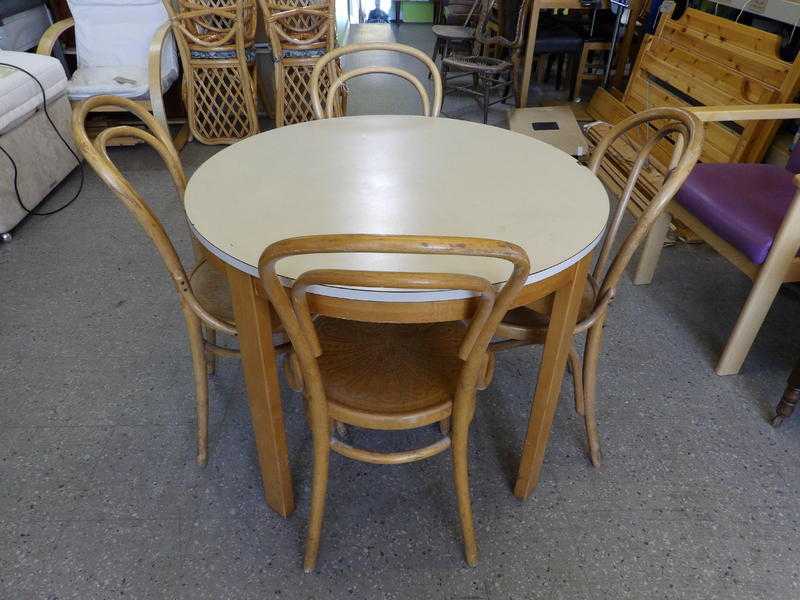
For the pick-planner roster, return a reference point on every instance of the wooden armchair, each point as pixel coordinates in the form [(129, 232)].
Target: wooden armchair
[(750, 214), (125, 50)]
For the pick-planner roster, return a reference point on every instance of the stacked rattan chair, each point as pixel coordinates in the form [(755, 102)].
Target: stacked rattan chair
[(300, 33), (216, 42)]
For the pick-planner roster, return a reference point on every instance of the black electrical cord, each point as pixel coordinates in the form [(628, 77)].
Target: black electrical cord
[(61, 137)]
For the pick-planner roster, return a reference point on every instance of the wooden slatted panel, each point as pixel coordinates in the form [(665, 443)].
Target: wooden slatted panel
[(726, 32), (737, 85), (769, 70)]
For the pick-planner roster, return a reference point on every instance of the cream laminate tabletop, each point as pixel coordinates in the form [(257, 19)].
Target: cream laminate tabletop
[(396, 175)]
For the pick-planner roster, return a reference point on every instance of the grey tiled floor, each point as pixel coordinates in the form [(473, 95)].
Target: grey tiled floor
[(100, 497)]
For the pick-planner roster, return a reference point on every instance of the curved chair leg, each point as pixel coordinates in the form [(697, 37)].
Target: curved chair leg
[(319, 488), (790, 397), (594, 341), (577, 379), (211, 358), (195, 331), (459, 434)]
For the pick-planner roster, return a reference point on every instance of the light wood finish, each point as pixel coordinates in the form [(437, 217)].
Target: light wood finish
[(154, 103), (527, 325), (203, 297), (404, 376), (327, 64), (219, 90), (713, 67), (410, 194), (567, 137), (299, 33), (781, 266)]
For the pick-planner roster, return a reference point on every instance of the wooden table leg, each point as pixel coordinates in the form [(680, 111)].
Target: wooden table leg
[(527, 65), (551, 372), (252, 314)]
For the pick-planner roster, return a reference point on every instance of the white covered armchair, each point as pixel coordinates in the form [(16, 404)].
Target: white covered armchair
[(124, 48)]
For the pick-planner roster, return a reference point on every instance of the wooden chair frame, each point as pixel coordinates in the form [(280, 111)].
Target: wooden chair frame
[(659, 125), (431, 108), (155, 102), (293, 309), (483, 44), (197, 317), (226, 27), (781, 266), (297, 34)]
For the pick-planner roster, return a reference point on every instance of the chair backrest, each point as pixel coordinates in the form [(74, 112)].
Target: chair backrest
[(112, 33), (430, 108), (213, 24), (679, 131), (486, 35), (292, 305), (96, 154), (299, 25)]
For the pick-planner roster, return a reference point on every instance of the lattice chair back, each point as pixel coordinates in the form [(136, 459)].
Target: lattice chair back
[(216, 41), (300, 33), (430, 107)]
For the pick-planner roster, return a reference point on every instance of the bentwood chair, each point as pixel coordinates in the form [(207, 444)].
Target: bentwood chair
[(430, 108), (299, 37), (216, 41), (204, 296), (488, 73), (639, 136), (382, 369)]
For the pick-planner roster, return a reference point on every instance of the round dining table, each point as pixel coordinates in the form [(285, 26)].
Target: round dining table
[(395, 175)]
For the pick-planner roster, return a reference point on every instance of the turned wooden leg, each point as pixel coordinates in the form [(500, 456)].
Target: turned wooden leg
[(196, 345), (211, 358), (790, 397), (594, 342), (577, 379), (459, 434)]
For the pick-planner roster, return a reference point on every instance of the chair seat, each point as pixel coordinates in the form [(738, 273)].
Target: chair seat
[(210, 287), (534, 319), (483, 64), (408, 373), (744, 204), (453, 32), (125, 81)]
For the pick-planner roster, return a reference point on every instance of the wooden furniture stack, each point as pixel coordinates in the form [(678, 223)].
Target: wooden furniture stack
[(698, 60), (216, 42)]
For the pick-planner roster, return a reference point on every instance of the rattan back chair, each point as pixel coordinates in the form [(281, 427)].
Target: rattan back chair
[(637, 138), (216, 43), (430, 108), (300, 32), (203, 291), (382, 370)]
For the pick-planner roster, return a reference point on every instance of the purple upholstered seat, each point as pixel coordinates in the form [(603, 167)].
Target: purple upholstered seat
[(744, 203)]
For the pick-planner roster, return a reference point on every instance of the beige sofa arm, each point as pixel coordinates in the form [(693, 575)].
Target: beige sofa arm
[(51, 35), (746, 112)]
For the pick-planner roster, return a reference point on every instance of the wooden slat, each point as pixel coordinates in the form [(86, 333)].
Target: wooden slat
[(771, 71), (728, 32), (744, 89)]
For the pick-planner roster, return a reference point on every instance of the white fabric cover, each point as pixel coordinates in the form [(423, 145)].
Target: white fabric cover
[(19, 95), (116, 34)]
